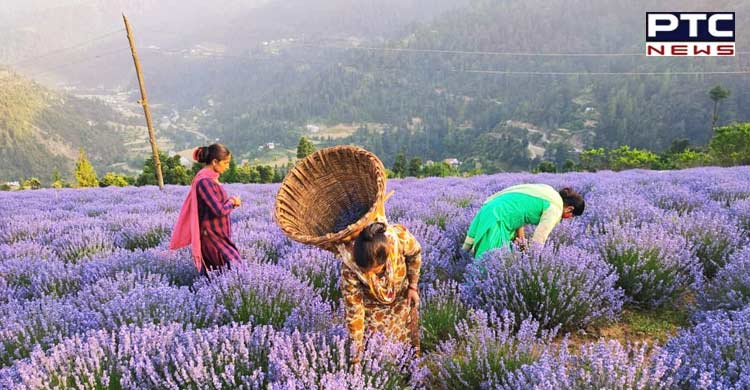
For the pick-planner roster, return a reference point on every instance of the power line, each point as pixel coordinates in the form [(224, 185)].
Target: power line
[(98, 56), (529, 73), (487, 53), (76, 46), (498, 72)]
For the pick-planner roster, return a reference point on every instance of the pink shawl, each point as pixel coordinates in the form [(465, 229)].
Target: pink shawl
[(187, 231)]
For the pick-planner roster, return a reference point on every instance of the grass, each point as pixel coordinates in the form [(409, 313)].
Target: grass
[(651, 326)]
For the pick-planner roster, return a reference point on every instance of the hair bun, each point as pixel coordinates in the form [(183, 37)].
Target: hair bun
[(373, 230), (198, 153), (565, 192)]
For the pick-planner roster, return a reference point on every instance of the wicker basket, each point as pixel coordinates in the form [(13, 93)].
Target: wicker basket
[(330, 196)]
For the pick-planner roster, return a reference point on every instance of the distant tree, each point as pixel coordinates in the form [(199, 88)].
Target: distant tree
[(278, 174), (546, 167), (196, 167), (730, 145), (4, 187), (247, 173), (84, 172), (399, 166), (679, 145), (31, 184), (305, 148), (717, 94), (689, 158), (57, 180), (173, 172), (441, 169), (230, 175), (113, 179), (569, 165), (266, 173), (593, 160), (625, 157), (415, 167)]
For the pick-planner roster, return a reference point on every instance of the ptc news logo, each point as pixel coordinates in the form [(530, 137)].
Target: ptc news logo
[(690, 34)]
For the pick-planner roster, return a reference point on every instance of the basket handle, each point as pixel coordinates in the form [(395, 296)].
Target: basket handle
[(380, 208)]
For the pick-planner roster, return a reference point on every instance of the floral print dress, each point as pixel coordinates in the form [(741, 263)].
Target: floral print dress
[(378, 302)]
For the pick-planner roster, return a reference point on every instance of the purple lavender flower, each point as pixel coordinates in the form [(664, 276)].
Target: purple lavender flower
[(34, 278), (486, 352), (600, 365), (730, 290), (266, 294), (440, 310), (441, 259), (229, 357), (320, 268), (654, 266), (713, 355), (316, 361), (177, 266), (569, 287), (712, 236)]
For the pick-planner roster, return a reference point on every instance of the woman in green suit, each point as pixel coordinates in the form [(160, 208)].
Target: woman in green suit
[(501, 219)]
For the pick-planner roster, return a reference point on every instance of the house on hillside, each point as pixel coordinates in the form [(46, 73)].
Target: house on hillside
[(13, 185), (452, 162)]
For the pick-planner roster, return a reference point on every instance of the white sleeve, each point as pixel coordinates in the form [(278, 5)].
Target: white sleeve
[(550, 218)]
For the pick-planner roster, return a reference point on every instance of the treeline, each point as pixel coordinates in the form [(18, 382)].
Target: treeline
[(729, 146), (173, 172)]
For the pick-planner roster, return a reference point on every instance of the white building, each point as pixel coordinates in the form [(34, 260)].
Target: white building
[(452, 162)]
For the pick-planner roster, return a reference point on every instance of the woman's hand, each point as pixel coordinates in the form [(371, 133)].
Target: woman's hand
[(236, 201), (413, 296), (521, 243)]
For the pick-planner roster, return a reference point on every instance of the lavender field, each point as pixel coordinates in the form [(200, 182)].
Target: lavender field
[(90, 297)]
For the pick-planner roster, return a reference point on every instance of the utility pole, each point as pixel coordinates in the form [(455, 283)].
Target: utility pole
[(144, 103)]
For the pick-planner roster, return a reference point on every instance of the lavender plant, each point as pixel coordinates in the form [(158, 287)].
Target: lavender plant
[(730, 290), (316, 361), (440, 310), (654, 267), (713, 355), (486, 352), (568, 287)]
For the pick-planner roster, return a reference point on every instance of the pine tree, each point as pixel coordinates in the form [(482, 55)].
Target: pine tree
[(113, 179), (84, 172), (717, 94), (57, 181), (305, 148), (399, 167), (415, 167)]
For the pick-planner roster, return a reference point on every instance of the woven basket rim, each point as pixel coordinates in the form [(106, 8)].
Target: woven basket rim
[(330, 240)]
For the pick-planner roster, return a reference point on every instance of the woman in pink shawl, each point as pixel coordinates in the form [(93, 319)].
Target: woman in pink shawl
[(204, 222)]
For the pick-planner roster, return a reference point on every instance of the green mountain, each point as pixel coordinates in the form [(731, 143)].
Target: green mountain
[(431, 78), (42, 130), (443, 104)]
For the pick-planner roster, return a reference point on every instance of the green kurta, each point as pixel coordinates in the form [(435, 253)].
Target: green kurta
[(502, 214)]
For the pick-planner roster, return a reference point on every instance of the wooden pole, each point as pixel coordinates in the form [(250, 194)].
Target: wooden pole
[(144, 103)]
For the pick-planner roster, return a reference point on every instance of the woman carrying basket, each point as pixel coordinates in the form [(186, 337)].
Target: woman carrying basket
[(379, 283), (381, 262)]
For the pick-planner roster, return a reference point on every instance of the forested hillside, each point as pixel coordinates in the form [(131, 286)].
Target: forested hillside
[(42, 130)]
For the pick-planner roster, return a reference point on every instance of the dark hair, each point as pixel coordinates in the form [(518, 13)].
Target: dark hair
[(371, 246), (207, 154), (571, 198)]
